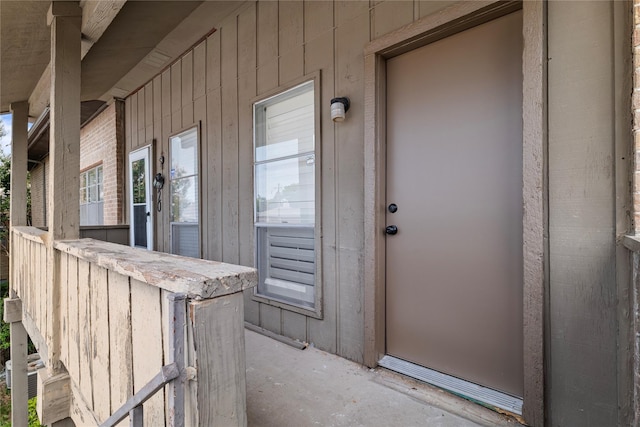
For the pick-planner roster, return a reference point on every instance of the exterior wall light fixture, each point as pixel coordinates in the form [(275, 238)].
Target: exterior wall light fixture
[(339, 108)]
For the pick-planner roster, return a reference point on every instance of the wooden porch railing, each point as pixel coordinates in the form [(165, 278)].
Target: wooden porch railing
[(116, 310), (28, 246)]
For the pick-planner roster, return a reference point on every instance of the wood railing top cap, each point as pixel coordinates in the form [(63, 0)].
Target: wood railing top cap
[(197, 278)]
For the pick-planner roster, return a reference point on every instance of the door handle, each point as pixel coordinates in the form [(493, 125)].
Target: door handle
[(391, 229)]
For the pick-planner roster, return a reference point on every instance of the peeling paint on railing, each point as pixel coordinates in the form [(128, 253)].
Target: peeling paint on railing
[(113, 309), (197, 278)]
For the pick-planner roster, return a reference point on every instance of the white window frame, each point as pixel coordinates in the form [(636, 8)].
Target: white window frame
[(170, 182), (85, 188), (317, 310), (140, 154)]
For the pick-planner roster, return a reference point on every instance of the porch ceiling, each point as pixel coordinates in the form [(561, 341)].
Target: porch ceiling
[(24, 48), (135, 30)]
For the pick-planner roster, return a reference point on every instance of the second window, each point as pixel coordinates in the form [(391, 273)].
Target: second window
[(285, 196)]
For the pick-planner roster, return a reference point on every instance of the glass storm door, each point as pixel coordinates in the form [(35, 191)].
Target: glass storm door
[(141, 231)]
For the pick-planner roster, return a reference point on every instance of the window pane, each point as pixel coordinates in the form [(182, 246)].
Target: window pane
[(184, 200), (285, 191), (92, 177), (285, 124), (140, 227), (138, 181), (185, 239), (93, 196), (100, 184), (184, 154)]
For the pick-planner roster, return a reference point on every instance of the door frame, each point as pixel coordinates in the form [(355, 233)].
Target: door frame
[(452, 20), (141, 153)]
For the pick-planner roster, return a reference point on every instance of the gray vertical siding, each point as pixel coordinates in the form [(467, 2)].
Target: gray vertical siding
[(260, 47), (582, 376), (265, 45)]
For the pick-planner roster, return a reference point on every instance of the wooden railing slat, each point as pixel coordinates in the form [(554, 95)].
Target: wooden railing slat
[(146, 320), (64, 307), (28, 283), (74, 329), (164, 301), (36, 285), (100, 342), (120, 341), (28, 279), (42, 282), (85, 329)]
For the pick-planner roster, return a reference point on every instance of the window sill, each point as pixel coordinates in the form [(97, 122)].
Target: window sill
[(315, 313)]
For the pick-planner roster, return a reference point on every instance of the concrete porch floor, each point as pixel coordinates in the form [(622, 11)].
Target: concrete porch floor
[(291, 387)]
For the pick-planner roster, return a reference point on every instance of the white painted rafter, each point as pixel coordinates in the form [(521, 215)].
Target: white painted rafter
[(96, 18)]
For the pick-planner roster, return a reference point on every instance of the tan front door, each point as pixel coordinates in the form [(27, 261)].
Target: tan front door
[(454, 173)]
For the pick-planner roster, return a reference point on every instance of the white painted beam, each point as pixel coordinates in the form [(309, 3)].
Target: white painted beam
[(18, 217), (19, 379), (18, 209), (96, 18), (39, 98), (63, 213), (64, 159)]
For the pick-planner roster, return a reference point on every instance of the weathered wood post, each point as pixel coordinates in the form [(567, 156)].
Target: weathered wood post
[(65, 19), (13, 307)]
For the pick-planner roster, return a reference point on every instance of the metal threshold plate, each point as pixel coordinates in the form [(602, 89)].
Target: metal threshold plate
[(454, 385)]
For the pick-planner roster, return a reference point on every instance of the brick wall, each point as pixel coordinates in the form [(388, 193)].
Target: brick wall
[(101, 142)]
